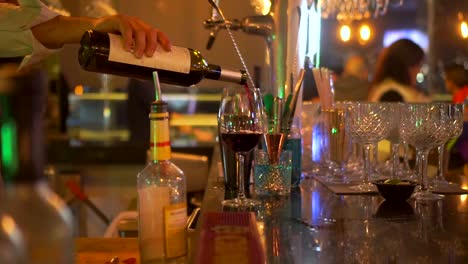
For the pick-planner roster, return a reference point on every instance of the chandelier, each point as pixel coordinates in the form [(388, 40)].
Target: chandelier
[(355, 9)]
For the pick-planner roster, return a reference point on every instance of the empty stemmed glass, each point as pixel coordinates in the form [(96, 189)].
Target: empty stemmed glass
[(451, 128), (240, 121), (368, 124), (420, 125), (394, 138)]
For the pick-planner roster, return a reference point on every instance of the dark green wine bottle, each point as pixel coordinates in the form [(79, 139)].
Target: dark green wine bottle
[(104, 53)]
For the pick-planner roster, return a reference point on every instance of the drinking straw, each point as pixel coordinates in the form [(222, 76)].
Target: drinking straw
[(268, 103), (157, 87), (277, 112), (324, 87), (291, 103)]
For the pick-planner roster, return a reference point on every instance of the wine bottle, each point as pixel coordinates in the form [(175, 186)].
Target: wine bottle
[(162, 204), (104, 53), (41, 215)]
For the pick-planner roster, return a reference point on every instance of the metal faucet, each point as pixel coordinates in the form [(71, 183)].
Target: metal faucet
[(254, 25), (280, 29)]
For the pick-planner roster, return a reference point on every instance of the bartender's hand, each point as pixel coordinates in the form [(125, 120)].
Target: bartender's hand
[(138, 36)]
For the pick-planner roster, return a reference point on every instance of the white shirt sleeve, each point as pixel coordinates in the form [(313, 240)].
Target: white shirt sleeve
[(17, 39), (39, 52)]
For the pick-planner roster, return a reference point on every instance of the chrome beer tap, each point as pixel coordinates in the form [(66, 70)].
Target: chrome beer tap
[(280, 29)]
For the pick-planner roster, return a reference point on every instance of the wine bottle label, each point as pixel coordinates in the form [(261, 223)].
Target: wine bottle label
[(175, 225), (160, 143), (176, 60), (151, 203)]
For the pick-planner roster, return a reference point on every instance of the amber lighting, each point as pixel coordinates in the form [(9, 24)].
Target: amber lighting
[(464, 29), (8, 224), (464, 196), (345, 33), (261, 6), (79, 90), (365, 32)]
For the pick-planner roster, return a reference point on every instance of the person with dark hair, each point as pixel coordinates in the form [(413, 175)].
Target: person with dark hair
[(456, 82), (395, 75)]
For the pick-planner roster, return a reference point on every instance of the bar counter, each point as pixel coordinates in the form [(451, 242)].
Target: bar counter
[(313, 225), (101, 250)]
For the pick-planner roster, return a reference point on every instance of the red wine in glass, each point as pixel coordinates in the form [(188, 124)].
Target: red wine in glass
[(241, 141)]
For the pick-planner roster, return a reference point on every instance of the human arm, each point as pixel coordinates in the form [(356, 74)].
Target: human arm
[(28, 28), (63, 30)]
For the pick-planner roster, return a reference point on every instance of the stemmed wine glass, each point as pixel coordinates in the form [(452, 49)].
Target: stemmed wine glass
[(240, 121), (452, 128), (368, 124), (420, 125), (394, 138)]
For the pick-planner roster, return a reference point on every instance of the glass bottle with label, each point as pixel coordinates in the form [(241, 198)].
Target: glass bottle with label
[(104, 53), (162, 205)]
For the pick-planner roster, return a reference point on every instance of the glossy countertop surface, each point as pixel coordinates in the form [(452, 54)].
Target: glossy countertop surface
[(313, 225)]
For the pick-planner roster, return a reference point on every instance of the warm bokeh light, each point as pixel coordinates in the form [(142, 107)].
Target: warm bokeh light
[(464, 196), (345, 33), (262, 7), (420, 77), (464, 29), (365, 32), (79, 90)]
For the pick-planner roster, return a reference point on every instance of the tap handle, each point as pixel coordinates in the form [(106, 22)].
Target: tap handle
[(211, 38), (215, 5)]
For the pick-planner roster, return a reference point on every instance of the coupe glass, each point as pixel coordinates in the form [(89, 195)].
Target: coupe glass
[(240, 121), (451, 129), (368, 124), (420, 125)]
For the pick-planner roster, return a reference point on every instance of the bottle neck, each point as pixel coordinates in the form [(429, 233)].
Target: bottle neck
[(215, 72), (160, 143)]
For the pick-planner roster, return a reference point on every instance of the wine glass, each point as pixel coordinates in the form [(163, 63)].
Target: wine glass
[(452, 128), (368, 124), (394, 138), (420, 125), (240, 121)]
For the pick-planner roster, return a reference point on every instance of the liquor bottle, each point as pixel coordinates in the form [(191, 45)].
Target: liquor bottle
[(40, 214), (162, 205), (104, 53)]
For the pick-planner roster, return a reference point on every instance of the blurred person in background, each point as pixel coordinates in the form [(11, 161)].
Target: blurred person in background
[(395, 74), (353, 84), (456, 82)]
